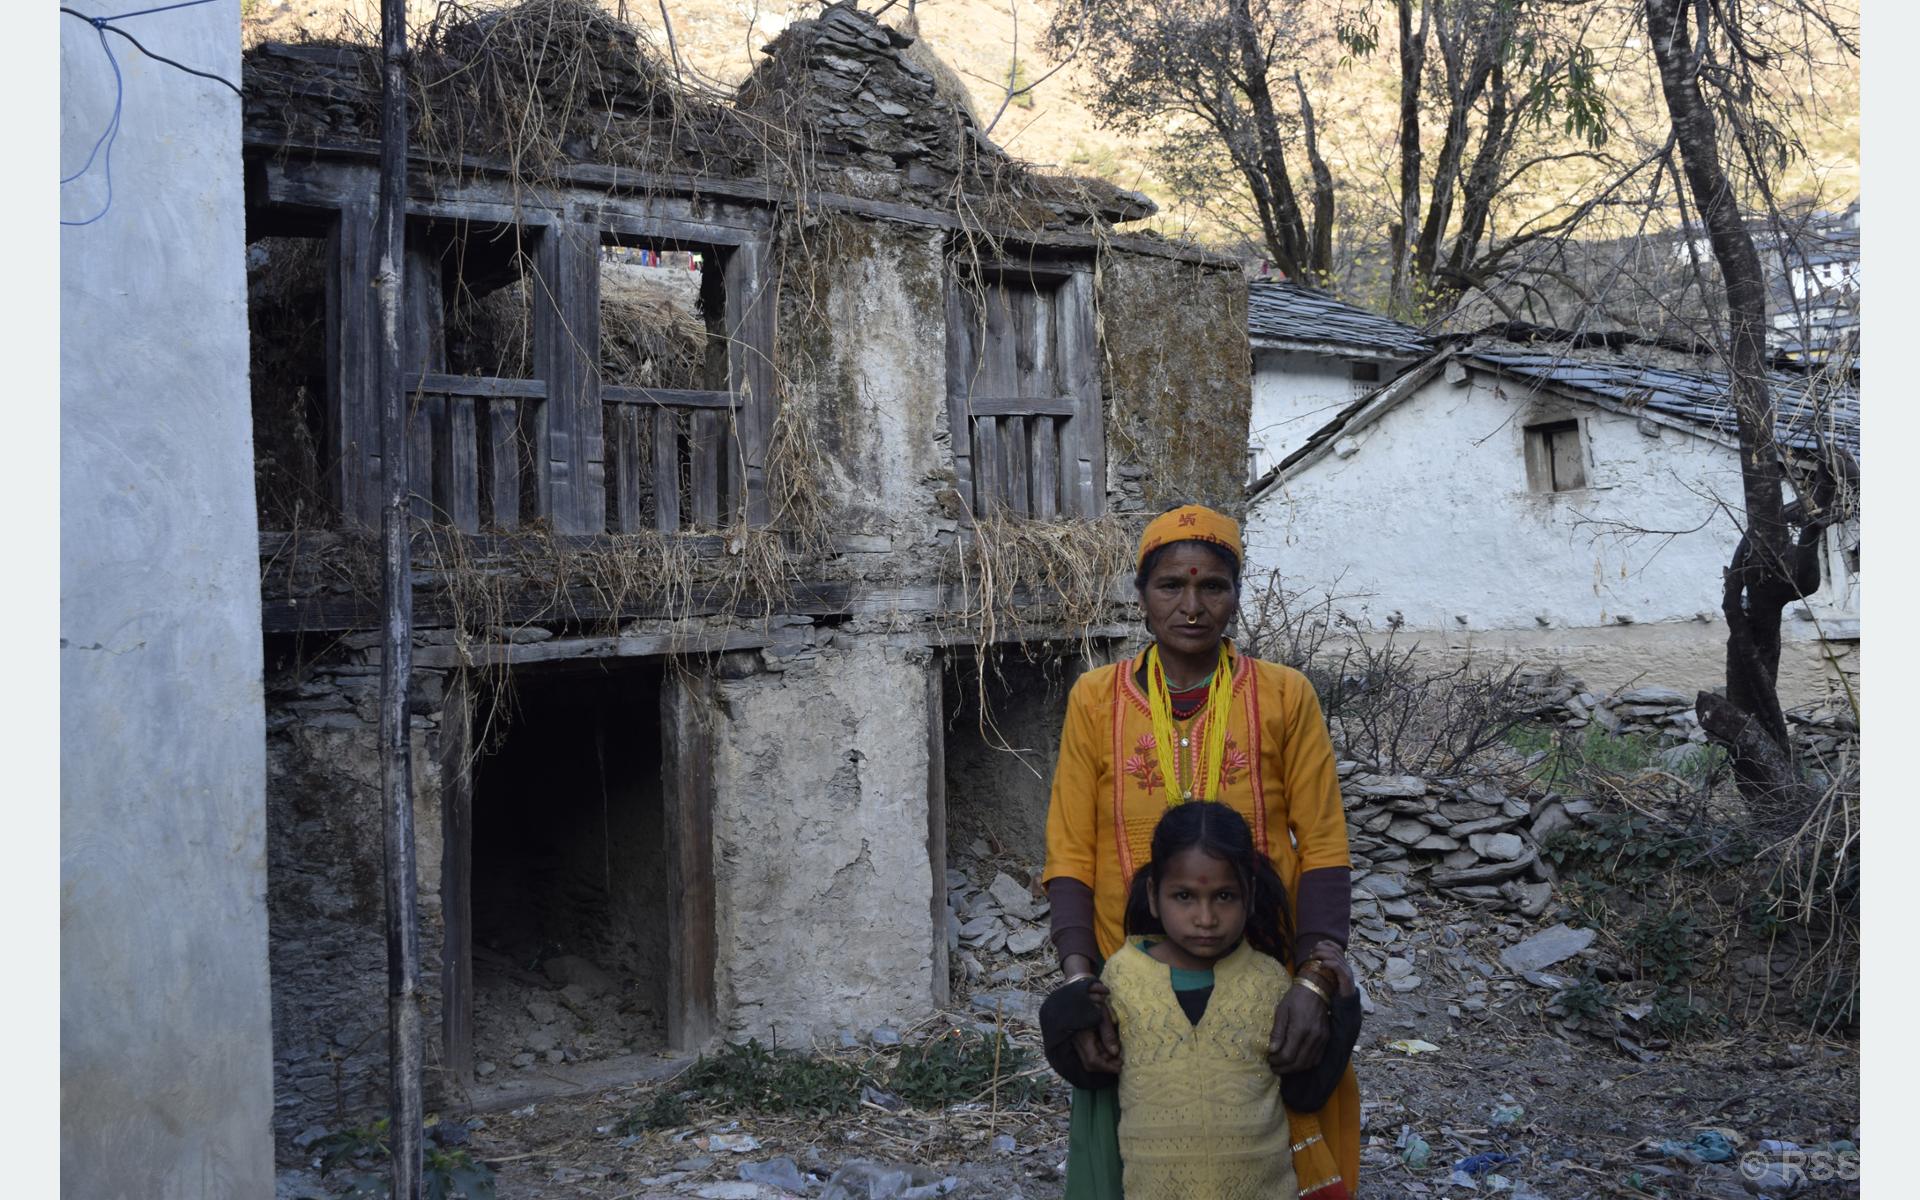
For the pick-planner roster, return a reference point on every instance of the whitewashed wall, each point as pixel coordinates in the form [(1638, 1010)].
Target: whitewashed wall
[(166, 1084), (1426, 517), (1295, 393)]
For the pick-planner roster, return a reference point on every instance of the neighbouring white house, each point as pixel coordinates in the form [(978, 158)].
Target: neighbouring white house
[(1312, 356), (1560, 504)]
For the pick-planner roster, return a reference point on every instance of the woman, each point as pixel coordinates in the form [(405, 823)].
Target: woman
[(1191, 719)]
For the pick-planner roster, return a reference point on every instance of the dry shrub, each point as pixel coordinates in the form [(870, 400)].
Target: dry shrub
[(650, 335), (1387, 703), (1018, 574)]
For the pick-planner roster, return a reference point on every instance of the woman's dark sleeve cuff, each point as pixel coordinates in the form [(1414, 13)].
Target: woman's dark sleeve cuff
[(1309, 1090), (1070, 918), (1326, 906), (1067, 1010)]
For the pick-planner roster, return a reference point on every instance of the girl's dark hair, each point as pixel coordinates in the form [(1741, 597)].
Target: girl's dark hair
[(1216, 830), (1154, 556)]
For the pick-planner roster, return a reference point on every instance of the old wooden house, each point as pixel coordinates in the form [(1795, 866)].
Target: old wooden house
[(743, 427)]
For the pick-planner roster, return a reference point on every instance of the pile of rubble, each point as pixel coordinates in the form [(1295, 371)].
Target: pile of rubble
[(1658, 712), (571, 1011), (997, 936), (1469, 839), (1667, 715)]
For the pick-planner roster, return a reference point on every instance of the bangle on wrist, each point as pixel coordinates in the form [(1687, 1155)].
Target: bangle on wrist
[(1314, 987), (1077, 976), (1328, 977)]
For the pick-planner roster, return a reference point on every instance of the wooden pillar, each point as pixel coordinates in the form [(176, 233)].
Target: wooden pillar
[(351, 455), (751, 301), (566, 351), (687, 787)]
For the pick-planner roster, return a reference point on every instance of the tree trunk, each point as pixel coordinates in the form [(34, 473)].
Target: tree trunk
[(1413, 61), (1320, 251), (1286, 230), (1483, 177), (1769, 569)]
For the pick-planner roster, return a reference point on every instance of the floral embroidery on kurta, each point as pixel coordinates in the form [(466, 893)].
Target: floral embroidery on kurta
[(1144, 763)]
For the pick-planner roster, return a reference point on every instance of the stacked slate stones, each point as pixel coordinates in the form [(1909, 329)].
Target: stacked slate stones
[(1667, 715), (1468, 839)]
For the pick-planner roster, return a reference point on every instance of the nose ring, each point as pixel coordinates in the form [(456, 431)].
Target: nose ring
[(1193, 620)]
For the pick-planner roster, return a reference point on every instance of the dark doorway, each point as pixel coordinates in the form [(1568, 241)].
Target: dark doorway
[(568, 912)]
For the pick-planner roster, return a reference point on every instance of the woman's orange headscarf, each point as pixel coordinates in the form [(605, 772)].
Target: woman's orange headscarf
[(1190, 523)]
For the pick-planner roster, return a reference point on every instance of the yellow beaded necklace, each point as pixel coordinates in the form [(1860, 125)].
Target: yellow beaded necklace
[(1160, 703)]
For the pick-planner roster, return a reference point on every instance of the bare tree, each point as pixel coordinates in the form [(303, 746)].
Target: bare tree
[(1218, 82), (1712, 55)]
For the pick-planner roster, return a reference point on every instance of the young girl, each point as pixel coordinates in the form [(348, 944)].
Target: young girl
[(1192, 994)]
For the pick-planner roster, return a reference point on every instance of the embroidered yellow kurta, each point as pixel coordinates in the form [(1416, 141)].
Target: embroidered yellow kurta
[(1278, 772), (1200, 1112)]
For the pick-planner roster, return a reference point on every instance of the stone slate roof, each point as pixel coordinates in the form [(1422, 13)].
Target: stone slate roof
[(1700, 398), (1287, 312), (1810, 404)]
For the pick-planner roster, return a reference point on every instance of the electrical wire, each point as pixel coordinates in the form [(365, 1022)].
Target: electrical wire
[(102, 26)]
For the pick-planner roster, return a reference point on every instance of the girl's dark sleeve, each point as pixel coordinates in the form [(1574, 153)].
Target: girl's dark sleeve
[(1309, 1090), (1065, 1012)]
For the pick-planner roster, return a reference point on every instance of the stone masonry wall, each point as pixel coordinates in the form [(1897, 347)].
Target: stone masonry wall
[(325, 900)]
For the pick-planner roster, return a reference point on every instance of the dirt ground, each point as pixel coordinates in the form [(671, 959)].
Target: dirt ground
[(1590, 1118)]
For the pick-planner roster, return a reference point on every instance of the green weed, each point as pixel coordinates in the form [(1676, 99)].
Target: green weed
[(754, 1078), (1665, 945), (665, 1111), (1588, 998), (960, 1067), (445, 1174)]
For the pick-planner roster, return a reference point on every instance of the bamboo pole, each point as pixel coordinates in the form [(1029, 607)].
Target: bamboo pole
[(396, 660)]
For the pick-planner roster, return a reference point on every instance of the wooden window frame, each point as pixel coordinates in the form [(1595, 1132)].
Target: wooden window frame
[(1556, 454), (1035, 455)]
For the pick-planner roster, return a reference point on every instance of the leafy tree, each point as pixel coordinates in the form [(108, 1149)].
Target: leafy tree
[(1488, 91)]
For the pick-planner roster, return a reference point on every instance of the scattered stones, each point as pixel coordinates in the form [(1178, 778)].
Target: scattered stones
[(570, 969), (1485, 873), (1014, 899), (1010, 1003), (1025, 941), (1384, 785), (1554, 944), (1505, 847), (1384, 887)]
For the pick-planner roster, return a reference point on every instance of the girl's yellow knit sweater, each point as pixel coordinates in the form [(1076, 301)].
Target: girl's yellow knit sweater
[(1200, 1110)]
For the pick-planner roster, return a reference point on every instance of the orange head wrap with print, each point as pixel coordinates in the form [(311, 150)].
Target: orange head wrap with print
[(1191, 523)]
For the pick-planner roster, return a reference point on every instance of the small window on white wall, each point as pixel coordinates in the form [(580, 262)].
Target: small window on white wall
[(1364, 372), (1556, 461)]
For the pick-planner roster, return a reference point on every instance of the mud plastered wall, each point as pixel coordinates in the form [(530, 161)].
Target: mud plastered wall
[(1178, 383), (863, 347), (820, 844), (325, 899)]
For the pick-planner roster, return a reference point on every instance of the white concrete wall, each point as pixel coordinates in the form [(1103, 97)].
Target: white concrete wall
[(1295, 393), (165, 1055), (1425, 517), (821, 866)]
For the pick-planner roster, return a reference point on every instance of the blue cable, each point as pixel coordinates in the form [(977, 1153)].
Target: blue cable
[(111, 133), (107, 136)]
